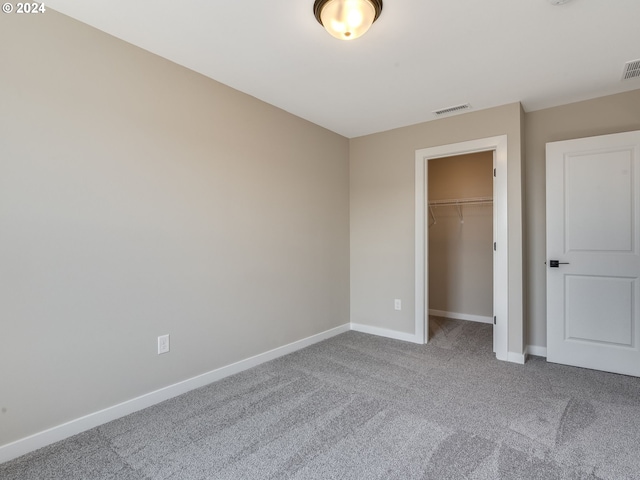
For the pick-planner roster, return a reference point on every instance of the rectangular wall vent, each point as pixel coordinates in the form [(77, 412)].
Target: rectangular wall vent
[(455, 108), (631, 70)]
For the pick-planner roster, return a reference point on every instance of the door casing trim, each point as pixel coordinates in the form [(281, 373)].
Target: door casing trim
[(498, 144)]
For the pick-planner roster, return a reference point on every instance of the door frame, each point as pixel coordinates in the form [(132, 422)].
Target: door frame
[(498, 145)]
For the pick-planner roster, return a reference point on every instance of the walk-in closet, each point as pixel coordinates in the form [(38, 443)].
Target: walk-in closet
[(461, 233)]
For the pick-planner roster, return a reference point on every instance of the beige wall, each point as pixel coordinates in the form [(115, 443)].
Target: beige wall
[(601, 116), (461, 252), (138, 198), (382, 210), (382, 191), (461, 176)]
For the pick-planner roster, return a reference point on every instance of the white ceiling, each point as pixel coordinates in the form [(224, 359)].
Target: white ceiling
[(420, 56)]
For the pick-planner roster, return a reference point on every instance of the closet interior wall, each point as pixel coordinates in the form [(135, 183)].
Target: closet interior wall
[(461, 237)]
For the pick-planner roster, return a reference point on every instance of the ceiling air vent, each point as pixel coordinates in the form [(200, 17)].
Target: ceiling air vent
[(454, 109), (631, 70)]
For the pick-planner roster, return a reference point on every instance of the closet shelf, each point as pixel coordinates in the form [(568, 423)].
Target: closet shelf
[(461, 201), (458, 203)]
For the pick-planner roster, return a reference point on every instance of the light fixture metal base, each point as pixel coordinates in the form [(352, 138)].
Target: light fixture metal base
[(319, 4)]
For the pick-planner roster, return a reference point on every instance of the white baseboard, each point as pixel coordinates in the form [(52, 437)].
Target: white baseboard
[(536, 350), (461, 316), (60, 432), (529, 350), (384, 332), (516, 357)]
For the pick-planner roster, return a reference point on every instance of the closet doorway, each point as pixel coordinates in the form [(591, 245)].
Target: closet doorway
[(497, 148), (460, 238)]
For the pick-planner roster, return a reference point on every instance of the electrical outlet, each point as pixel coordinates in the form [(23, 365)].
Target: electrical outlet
[(163, 344), (397, 304)]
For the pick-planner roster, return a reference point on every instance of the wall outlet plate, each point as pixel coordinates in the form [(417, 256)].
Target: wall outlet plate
[(163, 344), (397, 304)]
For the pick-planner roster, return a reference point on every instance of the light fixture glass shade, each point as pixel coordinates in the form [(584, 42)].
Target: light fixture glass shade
[(347, 19)]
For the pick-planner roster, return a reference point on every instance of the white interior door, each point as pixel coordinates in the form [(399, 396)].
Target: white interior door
[(593, 252), (496, 275)]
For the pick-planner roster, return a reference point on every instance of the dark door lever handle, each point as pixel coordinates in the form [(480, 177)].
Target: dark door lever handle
[(557, 263)]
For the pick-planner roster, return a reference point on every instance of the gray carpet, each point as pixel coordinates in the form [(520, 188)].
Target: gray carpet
[(363, 407)]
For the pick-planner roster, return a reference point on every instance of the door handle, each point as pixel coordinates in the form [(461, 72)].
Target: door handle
[(556, 263)]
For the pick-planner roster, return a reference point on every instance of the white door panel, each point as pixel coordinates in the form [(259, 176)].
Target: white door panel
[(615, 304), (598, 201), (593, 221)]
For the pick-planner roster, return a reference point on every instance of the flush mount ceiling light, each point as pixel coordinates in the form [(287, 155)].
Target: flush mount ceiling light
[(347, 19)]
